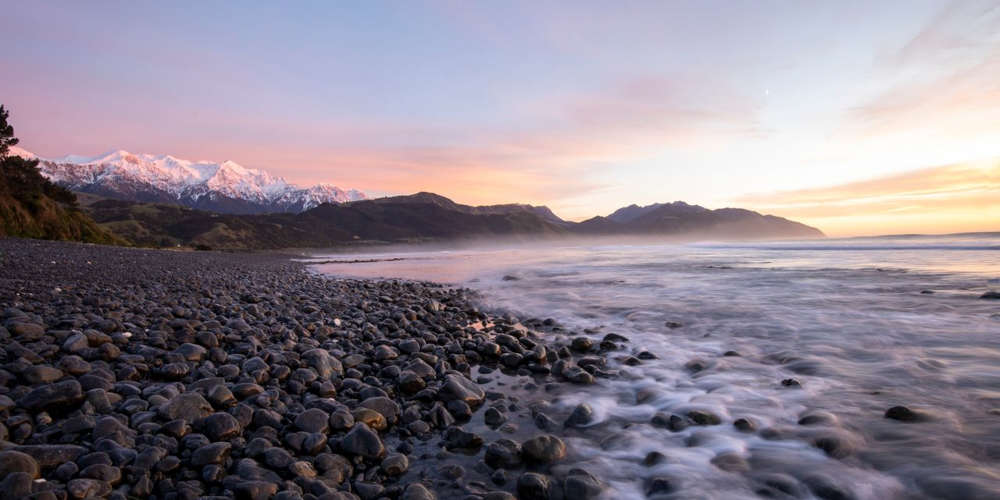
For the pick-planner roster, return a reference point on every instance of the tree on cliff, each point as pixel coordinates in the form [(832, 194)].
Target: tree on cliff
[(7, 138)]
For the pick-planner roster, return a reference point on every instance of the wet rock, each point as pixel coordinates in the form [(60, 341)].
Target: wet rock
[(459, 439), (41, 374), (582, 344), (220, 426), (730, 462), (395, 464), (313, 420), (457, 387), (417, 491), (54, 397), (189, 406), (904, 414), (370, 417), (341, 420), (503, 454), (791, 382), (52, 455), (991, 295), (493, 417), (744, 425), (533, 486), (653, 458), (212, 453), (388, 408), (700, 417), (582, 415), (581, 484), (16, 485), (658, 486), (87, 488), (255, 490), (544, 449), (363, 441), (14, 461)]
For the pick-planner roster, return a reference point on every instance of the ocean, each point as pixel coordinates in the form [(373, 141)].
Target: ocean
[(860, 325)]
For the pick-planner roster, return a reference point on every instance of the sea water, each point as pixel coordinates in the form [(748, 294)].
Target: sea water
[(861, 324)]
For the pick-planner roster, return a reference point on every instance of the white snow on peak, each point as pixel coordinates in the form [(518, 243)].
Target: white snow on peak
[(184, 178)]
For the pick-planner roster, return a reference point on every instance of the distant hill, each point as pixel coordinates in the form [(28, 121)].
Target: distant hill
[(416, 218), (421, 217), (681, 219)]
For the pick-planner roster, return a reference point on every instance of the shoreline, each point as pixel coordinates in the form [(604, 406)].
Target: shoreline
[(135, 372)]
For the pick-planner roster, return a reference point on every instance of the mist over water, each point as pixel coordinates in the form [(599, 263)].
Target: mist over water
[(862, 324)]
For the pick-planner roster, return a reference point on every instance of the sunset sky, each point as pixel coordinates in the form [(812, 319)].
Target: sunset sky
[(857, 117)]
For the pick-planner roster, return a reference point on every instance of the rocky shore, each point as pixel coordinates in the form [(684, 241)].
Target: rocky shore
[(178, 375)]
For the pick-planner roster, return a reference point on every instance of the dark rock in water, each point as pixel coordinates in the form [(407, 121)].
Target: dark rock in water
[(658, 485), (703, 417), (653, 458), (14, 461), (818, 418), (582, 344), (904, 414), (460, 410), (744, 425), (363, 441), (827, 489), (730, 462), (59, 396), (675, 423), (503, 454), (457, 387), (544, 422), (459, 439), (731, 354), (578, 375), (395, 464), (544, 449), (582, 415), (499, 495), (417, 491), (493, 417), (582, 484), (672, 325), (835, 446), (791, 382), (533, 486), (927, 292), (991, 295)]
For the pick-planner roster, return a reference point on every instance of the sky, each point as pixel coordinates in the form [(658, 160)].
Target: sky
[(856, 117)]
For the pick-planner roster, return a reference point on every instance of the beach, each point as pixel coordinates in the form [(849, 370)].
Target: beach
[(166, 374)]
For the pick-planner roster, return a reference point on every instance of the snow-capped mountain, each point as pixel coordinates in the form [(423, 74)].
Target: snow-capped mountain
[(223, 187)]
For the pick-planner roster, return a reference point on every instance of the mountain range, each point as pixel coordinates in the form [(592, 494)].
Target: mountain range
[(225, 187), (165, 201), (417, 218)]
